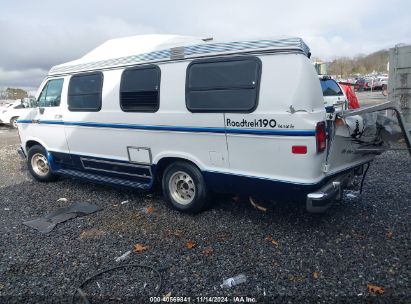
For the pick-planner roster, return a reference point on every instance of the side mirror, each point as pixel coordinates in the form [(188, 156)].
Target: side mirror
[(41, 110)]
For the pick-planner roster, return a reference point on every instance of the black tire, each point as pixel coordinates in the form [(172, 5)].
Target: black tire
[(13, 122), (200, 199), (36, 151)]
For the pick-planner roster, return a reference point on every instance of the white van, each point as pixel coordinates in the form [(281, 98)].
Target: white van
[(195, 116)]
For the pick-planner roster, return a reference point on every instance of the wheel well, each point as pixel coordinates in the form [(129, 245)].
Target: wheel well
[(31, 143), (14, 117), (165, 162)]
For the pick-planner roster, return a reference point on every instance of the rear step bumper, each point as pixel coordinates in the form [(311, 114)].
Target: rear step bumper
[(320, 200)]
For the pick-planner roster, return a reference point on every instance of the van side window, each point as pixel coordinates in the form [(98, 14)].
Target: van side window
[(140, 89), (223, 84), (84, 93), (51, 94)]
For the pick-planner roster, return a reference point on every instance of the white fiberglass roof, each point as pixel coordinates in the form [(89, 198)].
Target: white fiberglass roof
[(154, 48)]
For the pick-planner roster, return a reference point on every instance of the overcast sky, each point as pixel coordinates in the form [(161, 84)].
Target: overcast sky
[(35, 35)]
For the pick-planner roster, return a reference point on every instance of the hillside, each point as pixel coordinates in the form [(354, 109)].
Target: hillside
[(360, 64)]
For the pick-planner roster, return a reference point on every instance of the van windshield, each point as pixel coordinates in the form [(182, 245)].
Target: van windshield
[(330, 87)]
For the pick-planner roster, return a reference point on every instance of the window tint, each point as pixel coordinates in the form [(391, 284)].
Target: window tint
[(84, 92), (139, 89), (51, 94), (330, 88), (223, 85)]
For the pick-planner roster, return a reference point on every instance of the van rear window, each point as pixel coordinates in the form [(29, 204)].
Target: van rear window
[(223, 85), (84, 93), (140, 89)]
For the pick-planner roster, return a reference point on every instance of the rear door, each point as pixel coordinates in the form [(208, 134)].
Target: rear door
[(360, 134)]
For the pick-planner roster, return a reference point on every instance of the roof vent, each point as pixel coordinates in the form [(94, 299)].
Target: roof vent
[(177, 53)]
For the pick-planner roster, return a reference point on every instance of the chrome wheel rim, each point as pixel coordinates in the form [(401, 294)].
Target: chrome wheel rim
[(14, 123), (40, 164), (182, 188)]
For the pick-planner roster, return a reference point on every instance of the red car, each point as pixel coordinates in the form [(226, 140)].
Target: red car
[(361, 85)]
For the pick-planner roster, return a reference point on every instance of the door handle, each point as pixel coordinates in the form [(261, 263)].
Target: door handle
[(58, 117), (35, 121)]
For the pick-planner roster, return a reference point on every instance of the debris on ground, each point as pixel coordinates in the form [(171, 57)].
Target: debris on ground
[(270, 239), (48, 222), (191, 244), (147, 210), (351, 194), (62, 199), (231, 282), (167, 295), (375, 289), (79, 292), (123, 256), (257, 206), (138, 248), (123, 202)]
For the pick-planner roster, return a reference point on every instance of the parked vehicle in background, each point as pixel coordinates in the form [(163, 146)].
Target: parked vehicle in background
[(11, 113), (332, 92), (381, 82), (5, 106), (361, 85)]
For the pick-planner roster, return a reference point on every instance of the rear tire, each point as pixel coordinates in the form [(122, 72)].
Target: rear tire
[(13, 122), (38, 164), (184, 187)]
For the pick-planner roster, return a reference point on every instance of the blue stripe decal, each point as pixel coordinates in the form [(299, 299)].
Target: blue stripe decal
[(277, 132)]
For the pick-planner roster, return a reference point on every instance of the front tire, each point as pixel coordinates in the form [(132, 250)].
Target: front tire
[(184, 187), (38, 164)]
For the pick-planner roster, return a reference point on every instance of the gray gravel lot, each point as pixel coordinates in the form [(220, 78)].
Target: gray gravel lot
[(286, 254)]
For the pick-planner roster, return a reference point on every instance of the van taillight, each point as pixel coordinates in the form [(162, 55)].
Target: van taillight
[(320, 136)]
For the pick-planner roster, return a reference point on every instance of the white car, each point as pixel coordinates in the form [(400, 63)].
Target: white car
[(332, 92), (11, 112), (382, 82)]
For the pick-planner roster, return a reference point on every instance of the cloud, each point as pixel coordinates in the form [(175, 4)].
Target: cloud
[(40, 45), (29, 79)]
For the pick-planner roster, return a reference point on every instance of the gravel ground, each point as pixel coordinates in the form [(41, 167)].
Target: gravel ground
[(285, 253), (367, 98)]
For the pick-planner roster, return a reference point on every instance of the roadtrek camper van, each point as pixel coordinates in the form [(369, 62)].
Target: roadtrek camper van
[(198, 116)]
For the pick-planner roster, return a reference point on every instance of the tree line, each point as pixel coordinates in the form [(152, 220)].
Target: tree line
[(361, 64), (13, 93)]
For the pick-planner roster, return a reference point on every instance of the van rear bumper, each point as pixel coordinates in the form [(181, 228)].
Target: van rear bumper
[(320, 200)]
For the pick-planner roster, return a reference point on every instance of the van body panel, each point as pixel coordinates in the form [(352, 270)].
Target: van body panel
[(271, 150), (47, 121), (290, 103)]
